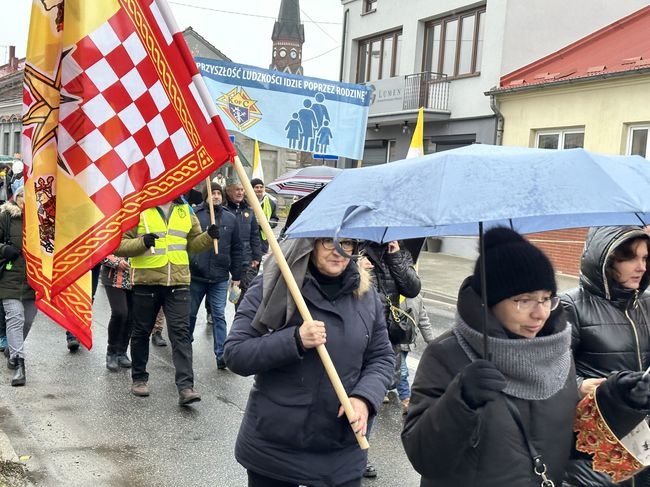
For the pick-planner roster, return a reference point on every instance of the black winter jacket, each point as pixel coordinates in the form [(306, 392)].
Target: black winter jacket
[(249, 231), (452, 445), (290, 430), (13, 283), (208, 266), (610, 326)]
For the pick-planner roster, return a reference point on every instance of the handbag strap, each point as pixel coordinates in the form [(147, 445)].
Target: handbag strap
[(538, 463)]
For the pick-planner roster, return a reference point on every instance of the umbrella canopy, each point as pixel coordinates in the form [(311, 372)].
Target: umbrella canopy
[(452, 192), (301, 182)]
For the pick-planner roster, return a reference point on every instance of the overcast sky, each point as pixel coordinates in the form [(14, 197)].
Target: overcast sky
[(241, 30)]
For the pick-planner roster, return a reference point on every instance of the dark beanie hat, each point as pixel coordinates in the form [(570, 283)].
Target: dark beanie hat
[(256, 181), (213, 187), (512, 266)]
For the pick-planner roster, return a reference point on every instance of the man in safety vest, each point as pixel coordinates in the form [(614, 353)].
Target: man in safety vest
[(158, 247), (269, 206)]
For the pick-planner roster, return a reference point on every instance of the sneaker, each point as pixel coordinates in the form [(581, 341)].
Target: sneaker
[(111, 362), (188, 396), (3, 343), (140, 388), (123, 361), (73, 344), (158, 340), (370, 472)]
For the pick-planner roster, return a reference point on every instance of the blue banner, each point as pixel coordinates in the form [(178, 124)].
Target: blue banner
[(286, 110)]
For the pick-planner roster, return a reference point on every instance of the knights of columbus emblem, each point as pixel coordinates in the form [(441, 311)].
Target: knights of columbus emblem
[(240, 108)]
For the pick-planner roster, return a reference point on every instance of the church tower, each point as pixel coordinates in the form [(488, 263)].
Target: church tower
[(288, 37)]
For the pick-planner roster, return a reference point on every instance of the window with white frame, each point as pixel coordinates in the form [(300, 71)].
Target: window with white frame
[(379, 57), (369, 6), (560, 139), (637, 141), (454, 45)]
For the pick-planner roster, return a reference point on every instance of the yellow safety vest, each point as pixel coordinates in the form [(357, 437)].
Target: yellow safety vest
[(171, 244), (267, 209)]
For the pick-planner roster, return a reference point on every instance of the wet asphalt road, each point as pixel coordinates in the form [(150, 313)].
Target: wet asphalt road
[(80, 425)]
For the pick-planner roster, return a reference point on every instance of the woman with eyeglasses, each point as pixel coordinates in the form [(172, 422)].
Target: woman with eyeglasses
[(294, 431), (472, 418), (609, 315)]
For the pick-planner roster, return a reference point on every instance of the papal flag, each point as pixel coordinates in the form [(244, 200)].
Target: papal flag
[(114, 121), (416, 149), (258, 171)]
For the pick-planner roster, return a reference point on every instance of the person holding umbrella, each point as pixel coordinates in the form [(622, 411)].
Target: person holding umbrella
[(609, 316), (476, 420), (294, 430)]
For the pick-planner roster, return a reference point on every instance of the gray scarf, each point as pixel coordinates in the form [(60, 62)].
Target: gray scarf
[(535, 369)]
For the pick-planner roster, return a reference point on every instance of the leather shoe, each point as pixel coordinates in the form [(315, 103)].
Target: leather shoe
[(188, 396), (123, 361), (158, 340), (12, 363), (111, 362), (221, 363), (73, 344), (140, 389), (370, 472)]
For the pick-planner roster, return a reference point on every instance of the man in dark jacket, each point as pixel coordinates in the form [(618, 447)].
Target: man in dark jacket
[(211, 272), (269, 207), (249, 233)]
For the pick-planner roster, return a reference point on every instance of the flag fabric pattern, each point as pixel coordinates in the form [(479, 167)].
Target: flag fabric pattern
[(115, 121), (258, 171), (416, 149)]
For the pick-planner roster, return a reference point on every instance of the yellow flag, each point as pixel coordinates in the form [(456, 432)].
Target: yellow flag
[(416, 149), (258, 172)]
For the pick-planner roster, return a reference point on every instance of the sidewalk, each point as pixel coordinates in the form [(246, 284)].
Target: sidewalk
[(442, 274)]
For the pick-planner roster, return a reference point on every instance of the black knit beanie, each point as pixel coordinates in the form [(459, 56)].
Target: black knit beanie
[(256, 181), (213, 187), (512, 266)]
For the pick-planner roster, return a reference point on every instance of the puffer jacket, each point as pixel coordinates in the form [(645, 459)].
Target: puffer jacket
[(13, 283), (290, 430), (170, 274), (610, 329), (210, 267)]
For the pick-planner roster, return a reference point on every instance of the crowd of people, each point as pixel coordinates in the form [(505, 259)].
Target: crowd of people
[(493, 401)]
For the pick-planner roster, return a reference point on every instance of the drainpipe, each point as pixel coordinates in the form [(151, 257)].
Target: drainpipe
[(343, 35), (498, 136)]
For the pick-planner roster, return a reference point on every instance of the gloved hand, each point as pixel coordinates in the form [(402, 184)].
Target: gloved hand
[(481, 382), (10, 252), (149, 239), (213, 231), (634, 389)]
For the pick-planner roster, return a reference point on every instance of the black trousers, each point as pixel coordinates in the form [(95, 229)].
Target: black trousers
[(175, 302), (257, 480), (121, 322)]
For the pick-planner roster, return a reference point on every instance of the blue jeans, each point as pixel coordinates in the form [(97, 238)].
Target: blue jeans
[(403, 389), (216, 292)]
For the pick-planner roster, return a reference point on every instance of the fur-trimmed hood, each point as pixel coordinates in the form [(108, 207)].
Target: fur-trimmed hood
[(12, 208)]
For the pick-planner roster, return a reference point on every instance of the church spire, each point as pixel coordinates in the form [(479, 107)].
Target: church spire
[(288, 37)]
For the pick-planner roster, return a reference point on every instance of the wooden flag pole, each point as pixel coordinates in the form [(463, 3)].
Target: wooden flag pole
[(212, 220), (297, 296)]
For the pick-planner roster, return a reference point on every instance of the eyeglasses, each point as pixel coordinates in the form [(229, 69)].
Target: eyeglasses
[(347, 245), (549, 304)]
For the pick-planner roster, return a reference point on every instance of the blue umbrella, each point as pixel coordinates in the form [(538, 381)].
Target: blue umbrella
[(451, 192), (466, 190)]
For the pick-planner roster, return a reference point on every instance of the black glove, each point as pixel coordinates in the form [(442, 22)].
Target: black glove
[(634, 389), (213, 231), (10, 252), (149, 239), (481, 382)]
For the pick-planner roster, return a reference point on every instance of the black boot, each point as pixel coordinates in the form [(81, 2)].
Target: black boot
[(111, 362), (19, 375)]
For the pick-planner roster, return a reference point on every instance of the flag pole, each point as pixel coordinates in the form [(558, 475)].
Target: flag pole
[(297, 296), (212, 219)]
